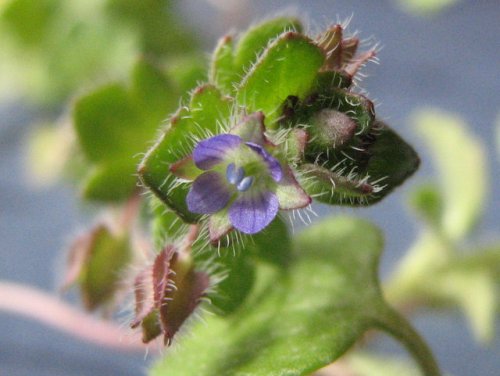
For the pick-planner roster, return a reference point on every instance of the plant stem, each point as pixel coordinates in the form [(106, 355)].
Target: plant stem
[(396, 325)]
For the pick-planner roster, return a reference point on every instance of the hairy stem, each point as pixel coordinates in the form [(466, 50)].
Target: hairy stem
[(43, 307)]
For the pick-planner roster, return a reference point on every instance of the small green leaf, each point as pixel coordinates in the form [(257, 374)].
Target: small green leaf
[(105, 122), (29, 21), (461, 162), (298, 321), (288, 67), (114, 124), (207, 112), (110, 182), (257, 38), (151, 90)]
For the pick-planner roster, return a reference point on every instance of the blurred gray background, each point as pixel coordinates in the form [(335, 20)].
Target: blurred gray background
[(450, 61)]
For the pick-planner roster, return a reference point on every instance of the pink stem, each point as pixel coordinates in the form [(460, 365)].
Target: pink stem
[(41, 306)]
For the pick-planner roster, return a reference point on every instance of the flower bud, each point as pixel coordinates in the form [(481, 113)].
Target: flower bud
[(330, 129)]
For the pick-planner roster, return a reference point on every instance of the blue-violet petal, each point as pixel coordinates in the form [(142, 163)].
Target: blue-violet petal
[(212, 151), (252, 212), (272, 163), (208, 194)]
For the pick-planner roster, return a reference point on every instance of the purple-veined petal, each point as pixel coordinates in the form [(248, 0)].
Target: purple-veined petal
[(272, 163), (212, 151), (208, 194), (252, 212)]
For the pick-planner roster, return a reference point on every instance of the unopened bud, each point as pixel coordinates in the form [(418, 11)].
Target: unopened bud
[(331, 129)]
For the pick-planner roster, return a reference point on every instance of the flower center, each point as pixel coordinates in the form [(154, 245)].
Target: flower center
[(236, 176)]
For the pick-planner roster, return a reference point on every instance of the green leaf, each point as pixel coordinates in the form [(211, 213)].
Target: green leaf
[(461, 163), (208, 110), (288, 67), (151, 90), (257, 38), (29, 21), (299, 320), (114, 124)]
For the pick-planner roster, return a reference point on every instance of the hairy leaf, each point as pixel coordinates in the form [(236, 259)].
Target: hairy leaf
[(295, 321), (114, 124), (288, 67)]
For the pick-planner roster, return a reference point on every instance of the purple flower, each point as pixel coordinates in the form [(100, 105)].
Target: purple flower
[(240, 183), (239, 175)]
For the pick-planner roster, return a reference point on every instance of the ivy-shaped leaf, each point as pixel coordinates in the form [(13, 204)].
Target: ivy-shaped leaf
[(299, 320), (288, 67), (115, 123)]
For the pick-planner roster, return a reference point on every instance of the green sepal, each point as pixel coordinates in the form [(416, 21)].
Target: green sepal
[(287, 67), (333, 188), (207, 112)]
